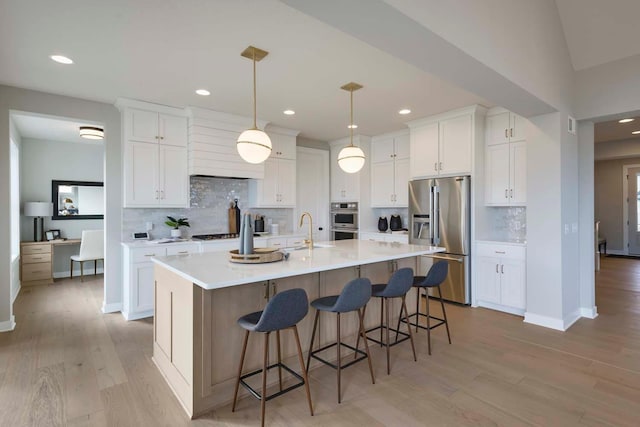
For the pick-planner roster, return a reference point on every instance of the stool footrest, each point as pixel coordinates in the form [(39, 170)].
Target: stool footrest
[(279, 393), (362, 354), (440, 321), (405, 336)]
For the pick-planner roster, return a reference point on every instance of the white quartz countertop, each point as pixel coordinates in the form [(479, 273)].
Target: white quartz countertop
[(213, 270), (152, 243)]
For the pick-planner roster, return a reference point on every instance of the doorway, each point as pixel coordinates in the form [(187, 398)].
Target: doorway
[(312, 192), (631, 221)]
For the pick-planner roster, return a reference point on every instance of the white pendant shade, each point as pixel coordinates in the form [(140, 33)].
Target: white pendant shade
[(254, 146), (351, 159)]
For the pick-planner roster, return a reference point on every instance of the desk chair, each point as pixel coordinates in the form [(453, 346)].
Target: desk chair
[(91, 249)]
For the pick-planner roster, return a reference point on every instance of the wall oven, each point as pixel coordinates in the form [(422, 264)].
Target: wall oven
[(344, 220)]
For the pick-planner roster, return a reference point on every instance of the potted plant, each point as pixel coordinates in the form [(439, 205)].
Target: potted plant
[(175, 224)]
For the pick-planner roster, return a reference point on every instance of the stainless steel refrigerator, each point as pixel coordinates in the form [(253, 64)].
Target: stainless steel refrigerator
[(439, 215)]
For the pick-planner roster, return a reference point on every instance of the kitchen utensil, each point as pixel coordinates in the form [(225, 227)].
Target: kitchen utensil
[(234, 218), (396, 223), (383, 224)]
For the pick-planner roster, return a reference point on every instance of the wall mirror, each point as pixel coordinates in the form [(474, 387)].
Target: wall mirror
[(77, 199)]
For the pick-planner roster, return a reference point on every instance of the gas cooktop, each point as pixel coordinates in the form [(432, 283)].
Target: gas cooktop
[(215, 236)]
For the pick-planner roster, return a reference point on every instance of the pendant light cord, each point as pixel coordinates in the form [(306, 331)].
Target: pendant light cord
[(255, 126), (351, 124)]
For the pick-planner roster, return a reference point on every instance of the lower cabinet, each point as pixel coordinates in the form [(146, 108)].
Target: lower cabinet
[(139, 282), (501, 277), (383, 237)]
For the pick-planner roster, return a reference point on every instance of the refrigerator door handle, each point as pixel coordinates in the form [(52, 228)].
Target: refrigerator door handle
[(445, 257), (436, 215), (431, 211)]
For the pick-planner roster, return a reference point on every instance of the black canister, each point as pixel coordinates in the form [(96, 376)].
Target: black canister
[(396, 223), (259, 225), (383, 224)]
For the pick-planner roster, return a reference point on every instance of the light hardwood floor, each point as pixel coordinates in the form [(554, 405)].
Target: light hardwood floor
[(67, 364)]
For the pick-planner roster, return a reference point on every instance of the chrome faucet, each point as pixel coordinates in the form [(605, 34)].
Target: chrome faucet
[(309, 241)]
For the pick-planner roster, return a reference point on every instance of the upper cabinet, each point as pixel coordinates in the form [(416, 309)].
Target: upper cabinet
[(278, 187), (443, 145), (505, 159), (390, 170), (345, 187), (155, 155)]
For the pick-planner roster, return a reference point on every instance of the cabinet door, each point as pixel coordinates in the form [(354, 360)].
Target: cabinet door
[(497, 175), (286, 182), (283, 146), (173, 130), (455, 145), (141, 175), (337, 177), (142, 126), (517, 128), (268, 186), (497, 129), (401, 182), (174, 177), (143, 284), (424, 151), (351, 186), (513, 282), (382, 150), (401, 147), (382, 184), (488, 276), (518, 173)]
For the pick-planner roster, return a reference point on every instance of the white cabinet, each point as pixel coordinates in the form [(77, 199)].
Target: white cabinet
[(501, 277), (505, 160), (383, 237), (155, 157), (346, 186), (390, 171), (443, 145), (138, 277)]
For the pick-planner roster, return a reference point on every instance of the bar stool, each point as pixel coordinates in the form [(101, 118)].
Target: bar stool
[(283, 311), (354, 297), (434, 278), (398, 286)]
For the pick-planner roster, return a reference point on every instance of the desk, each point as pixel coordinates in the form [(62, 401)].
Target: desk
[(36, 261)]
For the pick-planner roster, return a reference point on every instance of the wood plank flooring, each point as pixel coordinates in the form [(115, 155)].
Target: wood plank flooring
[(68, 364)]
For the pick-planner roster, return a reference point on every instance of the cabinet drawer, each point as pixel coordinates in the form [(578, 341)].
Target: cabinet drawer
[(183, 249), (38, 271), (295, 241), (36, 249), (35, 258), (143, 255), (500, 251)]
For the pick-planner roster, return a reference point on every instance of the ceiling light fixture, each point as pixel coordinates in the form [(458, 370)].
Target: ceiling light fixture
[(353, 126), (636, 132), (254, 146), (351, 158), (289, 112), (404, 111), (61, 59), (91, 132), (203, 92), (625, 120)]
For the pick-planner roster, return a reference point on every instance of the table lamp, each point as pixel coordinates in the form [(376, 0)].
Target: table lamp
[(38, 210)]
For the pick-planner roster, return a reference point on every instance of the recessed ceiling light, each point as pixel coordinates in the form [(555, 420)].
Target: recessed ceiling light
[(203, 92), (636, 132), (91, 132), (404, 111), (352, 127), (61, 59), (625, 120), (289, 112)]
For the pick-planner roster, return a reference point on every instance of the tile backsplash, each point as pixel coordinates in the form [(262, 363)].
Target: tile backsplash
[(210, 201), (509, 224)]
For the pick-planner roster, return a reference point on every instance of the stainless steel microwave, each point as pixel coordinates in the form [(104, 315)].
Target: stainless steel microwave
[(344, 215)]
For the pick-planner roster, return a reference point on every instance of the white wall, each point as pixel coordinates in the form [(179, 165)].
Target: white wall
[(616, 150), (48, 104), (586, 219), (14, 275)]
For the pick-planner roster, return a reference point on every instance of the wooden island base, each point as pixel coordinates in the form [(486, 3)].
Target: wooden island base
[(197, 342)]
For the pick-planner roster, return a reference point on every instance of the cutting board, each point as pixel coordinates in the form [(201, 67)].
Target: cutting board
[(233, 228)]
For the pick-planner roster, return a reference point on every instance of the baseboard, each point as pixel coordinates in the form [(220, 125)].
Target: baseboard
[(138, 315), (589, 313), (112, 307), (614, 252), (499, 307), (571, 319), (8, 325), (76, 273), (16, 294), (544, 321)]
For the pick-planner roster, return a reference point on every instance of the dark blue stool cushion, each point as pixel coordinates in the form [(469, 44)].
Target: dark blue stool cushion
[(399, 284), (436, 275), (354, 296), (325, 303), (284, 310)]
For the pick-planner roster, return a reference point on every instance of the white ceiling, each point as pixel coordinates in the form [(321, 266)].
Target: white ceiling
[(614, 131), (600, 31), (51, 129), (162, 51)]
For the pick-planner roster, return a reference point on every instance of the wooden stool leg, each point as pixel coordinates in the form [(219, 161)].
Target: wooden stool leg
[(82, 271), (417, 308), (426, 293), (313, 336), (304, 371), (382, 301), (244, 351), (71, 267), (338, 345), (406, 313), (366, 344), (364, 334), (386, 303), (279, 360), (444, 314), (265, 363)]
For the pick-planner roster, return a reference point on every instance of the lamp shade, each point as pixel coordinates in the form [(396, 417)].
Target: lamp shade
[(254, 146), (351, 159), (38, 209), (91, 132)]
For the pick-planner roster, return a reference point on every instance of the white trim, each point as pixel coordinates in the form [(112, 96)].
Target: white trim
[(122, 103), (571, 319), (17, 292), (8, 325), (137, 315), (589, 313), (625, 211), (111, 308), (544, 321), (390, 134), (615, 252), (220, 120), (499, 307), (473, 110)]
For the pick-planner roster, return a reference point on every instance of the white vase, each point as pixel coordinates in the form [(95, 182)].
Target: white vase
[(176, 232)]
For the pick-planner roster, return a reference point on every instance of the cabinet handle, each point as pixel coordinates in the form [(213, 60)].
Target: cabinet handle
[(266, 290), (511, 133), (497, 268), (440, 166), (149, 254), (156, 194), (502, 269), (500, 252), (37, 271), (157, 137), (506, 133), (162, 137), (183, 252), (435, 166), (511, 193), (162, 194), (506, 193)]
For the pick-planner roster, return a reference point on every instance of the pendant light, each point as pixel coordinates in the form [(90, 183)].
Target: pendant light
[(254, 146), (351, 158)]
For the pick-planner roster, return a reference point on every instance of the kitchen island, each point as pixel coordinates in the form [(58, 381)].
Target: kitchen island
[(199, 297)]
